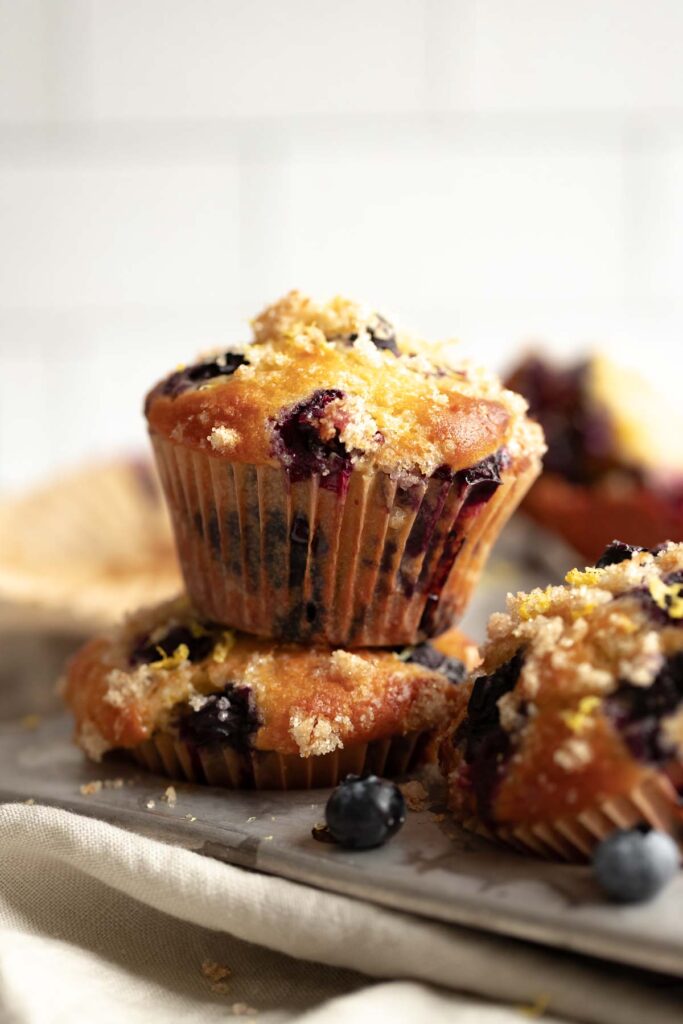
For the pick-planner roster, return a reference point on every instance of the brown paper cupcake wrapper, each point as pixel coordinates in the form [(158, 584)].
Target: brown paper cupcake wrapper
[(85, 549), (654, 802), (369, 565), (220, 765)]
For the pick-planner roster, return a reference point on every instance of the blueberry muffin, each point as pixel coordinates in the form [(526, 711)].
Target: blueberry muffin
[(574, 723), (336, 482), (615, 456), (196, 701)]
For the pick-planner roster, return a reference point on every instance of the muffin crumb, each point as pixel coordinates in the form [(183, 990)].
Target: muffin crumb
[(315, 735), (217, 975), (223, 439), (170, 796)]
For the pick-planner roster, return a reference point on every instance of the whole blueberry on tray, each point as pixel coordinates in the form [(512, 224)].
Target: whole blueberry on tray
[(632, 865), (364, 812)]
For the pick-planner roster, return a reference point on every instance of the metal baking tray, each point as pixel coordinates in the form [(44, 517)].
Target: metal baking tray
[(431, 868)]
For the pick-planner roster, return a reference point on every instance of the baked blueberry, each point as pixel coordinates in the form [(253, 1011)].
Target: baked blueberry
[(365, 812), (615, 553), (382, 333), (182, 380), (298, 440), (228, 717), (481, 481), (428, 656), (199, 643), (634, 865)]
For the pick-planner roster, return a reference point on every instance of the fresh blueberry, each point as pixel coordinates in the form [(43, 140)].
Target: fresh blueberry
[(365, 812), (617, 552), (633, 865)]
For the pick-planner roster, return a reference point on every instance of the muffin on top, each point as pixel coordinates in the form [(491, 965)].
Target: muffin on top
[(195, 700), (337, 481), (574, 724)]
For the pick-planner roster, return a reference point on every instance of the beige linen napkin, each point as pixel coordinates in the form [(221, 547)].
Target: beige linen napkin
[(99, 924)]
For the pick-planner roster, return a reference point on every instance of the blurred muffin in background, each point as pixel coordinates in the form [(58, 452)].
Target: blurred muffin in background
[(84, 550), (614, 466)]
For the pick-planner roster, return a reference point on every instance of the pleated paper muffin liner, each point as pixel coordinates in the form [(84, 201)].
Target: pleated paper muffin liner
[(589, 517), (221, 765), (353, 562), (654, 802), (85, 549)]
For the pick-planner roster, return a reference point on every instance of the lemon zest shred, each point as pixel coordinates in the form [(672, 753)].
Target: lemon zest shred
[(584, 577), (584, 610), (581, 717), (668, 597), (224, 646), (538, 602), (197, 629), (181, 654)]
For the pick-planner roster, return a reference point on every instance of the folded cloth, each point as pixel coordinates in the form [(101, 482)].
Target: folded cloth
[(97, 923)]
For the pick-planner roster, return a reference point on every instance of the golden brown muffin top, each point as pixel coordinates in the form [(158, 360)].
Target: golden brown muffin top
[(585, 687), (163, 666), (336, 380)]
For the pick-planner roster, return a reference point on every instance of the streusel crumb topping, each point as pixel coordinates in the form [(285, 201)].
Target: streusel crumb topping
[(382, 399), (163, 662)]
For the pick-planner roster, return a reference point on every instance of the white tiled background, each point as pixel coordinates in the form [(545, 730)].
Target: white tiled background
[(495, 169)]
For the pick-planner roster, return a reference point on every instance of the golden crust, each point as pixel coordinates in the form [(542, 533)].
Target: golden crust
[(310, 701), (402, 414)]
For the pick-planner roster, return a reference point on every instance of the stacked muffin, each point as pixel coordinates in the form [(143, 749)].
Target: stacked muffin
[(335, 489)]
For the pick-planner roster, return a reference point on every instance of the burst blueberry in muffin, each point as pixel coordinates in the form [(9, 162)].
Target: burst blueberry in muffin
[(336, 482), (574, 723), (615, 455), (193, 700)]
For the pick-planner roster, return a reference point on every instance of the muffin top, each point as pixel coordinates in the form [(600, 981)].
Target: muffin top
[(164, 669), (580, 695), (327, 385)]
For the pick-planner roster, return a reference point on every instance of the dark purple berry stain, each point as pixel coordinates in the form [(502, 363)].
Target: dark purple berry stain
[(302, 451), (427, 518), (637, 711), (617, 552), (429, 657), (228, 718), (214, 535), (487, 744), (199, 647), (480, 482), (298, 552)]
